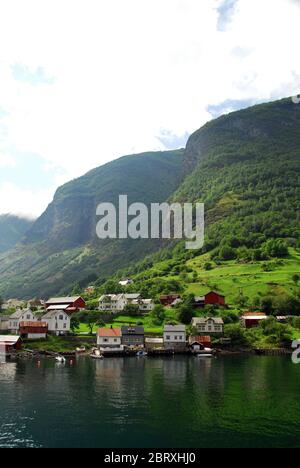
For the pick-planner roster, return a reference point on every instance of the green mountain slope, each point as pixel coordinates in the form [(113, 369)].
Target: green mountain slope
[(62, 249), (12, 229), (245, 168), (246, 171)]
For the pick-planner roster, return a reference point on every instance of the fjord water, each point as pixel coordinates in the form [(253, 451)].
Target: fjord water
[(244, 401)]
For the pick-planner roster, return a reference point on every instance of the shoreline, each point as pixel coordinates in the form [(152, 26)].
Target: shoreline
[(48, 354)]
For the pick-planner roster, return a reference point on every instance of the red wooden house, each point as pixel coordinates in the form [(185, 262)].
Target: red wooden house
[(68, 304), (168, 299), (33, 330), (214, 298), (9, 343), (252, 319)]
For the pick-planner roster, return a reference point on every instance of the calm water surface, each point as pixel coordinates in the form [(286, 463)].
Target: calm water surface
[(177, 402)]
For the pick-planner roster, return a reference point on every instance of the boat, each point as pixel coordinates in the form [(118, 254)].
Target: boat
[(80, 350), (206, 353), (96, 355), (141, 354), (60, 359)]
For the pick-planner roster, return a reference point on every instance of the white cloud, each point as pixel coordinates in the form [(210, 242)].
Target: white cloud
[(6, 160), (23, 202), (127, 73)]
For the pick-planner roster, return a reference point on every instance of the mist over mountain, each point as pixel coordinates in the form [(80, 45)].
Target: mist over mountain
[(12, 229)]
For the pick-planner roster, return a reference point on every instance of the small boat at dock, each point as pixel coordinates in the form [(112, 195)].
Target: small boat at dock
[(96, 355)]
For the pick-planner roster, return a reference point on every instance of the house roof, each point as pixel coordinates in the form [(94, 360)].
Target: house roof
[(58, 307), (174, 328), (52, 313), (18, 314), (133, 331), (132, 296), (199, 298), (109, 332), (255, 317), (203, 320), (200, 339), (33, 325), (111, 297), (214, 292), (7, 339), (63, 300)]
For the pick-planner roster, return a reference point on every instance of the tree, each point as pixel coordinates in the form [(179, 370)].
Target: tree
[(158, 314), (90, 318), (132, 310), (227, 253), (185, 314), (276, 248), (295, 279), (1, 303), (237, 334), (75, 323)]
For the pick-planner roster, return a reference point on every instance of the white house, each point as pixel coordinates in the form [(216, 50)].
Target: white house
[(126, 282), (145, 305), (116, 302), (174, 336), (18, 317), (109, 338), (208, 325), (59, 323)]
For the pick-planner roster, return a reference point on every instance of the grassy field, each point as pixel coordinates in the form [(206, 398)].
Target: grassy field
[(56, 344), (252, 279), (123, 320), (232, 278)]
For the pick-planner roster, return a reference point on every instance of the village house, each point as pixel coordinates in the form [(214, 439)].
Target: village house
[(58, 321), (109, 338), (18, 317), (35, 304), (199, 343), (4, 322), (154, 343), (212, 298), (144, 305), (133, 336), (70, 305), (12, 304), (252, 319), (9, 344), (208, 325), (89, 290), (126, 282), (117, 302), (175, 337), (34, 330), (168, 299)]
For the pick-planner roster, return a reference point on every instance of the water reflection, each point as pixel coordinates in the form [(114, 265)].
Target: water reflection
[(177, 402)]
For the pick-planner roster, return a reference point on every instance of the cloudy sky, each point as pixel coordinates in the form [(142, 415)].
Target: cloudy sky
[(83, 82)]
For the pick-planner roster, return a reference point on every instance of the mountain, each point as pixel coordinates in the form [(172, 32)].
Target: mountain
[(244, 166), (12, 229), (61, 248)]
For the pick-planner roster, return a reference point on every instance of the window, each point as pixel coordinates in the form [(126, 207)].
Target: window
[(65, 325), (168, 338), (61, 317), (105, 340)]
